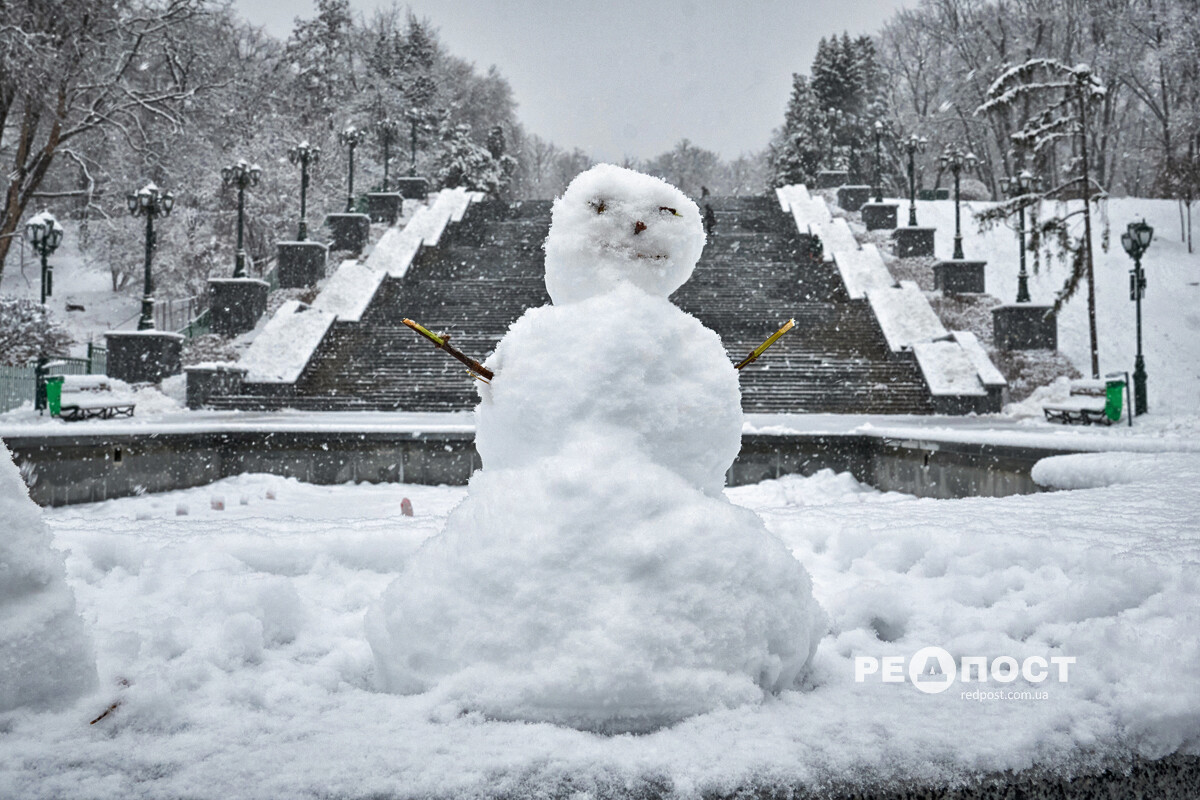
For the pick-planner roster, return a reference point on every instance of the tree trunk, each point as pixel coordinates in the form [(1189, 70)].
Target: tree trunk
[(1087, 231)]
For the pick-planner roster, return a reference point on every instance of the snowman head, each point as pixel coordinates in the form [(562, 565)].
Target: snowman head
[(615, 227)]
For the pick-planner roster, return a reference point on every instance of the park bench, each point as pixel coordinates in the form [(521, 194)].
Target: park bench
[(89, 397), (1092, 402)]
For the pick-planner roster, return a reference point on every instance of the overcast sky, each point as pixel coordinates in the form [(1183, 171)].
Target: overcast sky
[(633, 77)]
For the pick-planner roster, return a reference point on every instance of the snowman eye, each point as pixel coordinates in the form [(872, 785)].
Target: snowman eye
[(598, 206), (667, 208), (639, 227)]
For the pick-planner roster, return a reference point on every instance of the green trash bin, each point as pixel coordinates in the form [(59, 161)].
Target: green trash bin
[(1114, 396), (54, 385)]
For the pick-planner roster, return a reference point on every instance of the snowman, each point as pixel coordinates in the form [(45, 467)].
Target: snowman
[(595, 576)]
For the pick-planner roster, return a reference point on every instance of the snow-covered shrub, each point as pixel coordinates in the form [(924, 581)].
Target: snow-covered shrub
[(27, 331)]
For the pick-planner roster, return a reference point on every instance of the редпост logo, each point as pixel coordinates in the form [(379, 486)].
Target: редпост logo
[(933, 669)]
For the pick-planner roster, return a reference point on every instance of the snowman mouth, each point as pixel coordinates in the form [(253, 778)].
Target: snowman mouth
[(629, 252)]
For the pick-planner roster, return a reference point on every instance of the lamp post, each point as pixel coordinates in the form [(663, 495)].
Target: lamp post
[(304, 154), (1136, 240), (150, 203), (414, 121), (912, 146), (387, 130), (954, 159), (1019, 186), (241, 175), (351, 138), (45, 235), (878, 161)]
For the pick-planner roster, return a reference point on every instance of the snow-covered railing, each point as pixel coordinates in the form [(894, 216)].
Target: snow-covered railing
[(348, 293), (947, 369), (795, 193), (286, 344), (399, 246), (953, 365), (282, 349), (905, 316), (862, 270), (988, 374)]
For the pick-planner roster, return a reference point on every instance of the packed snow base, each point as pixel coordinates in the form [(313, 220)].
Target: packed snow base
[(595, 576), (46, 656), (240, 633)]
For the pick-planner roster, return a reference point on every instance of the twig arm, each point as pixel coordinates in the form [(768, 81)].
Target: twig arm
[(762, 348), (443, 343)]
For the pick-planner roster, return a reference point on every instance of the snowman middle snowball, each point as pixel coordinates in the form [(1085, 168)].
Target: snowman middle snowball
[(595, 575), (613, 351)]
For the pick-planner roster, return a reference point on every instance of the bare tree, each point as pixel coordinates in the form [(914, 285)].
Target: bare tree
[(68, 69)]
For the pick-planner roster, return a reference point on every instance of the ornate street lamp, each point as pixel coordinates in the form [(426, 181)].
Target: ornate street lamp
[(351, 138), (241, 175), (45, 235), (1136, 241), (912, 146), (878, 161), (150, 203), (1019, 186), (387, 130), (304, 154), (414, 121), (954, 159)]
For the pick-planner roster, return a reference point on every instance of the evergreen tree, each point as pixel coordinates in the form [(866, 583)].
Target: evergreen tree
[(799, 149)]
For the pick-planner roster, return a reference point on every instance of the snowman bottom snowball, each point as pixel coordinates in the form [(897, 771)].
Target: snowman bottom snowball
[(597, 590)]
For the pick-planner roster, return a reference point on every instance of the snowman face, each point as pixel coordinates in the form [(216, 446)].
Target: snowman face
[(615, 227)]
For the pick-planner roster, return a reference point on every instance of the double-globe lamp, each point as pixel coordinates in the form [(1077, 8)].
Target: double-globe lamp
[(149, 202)]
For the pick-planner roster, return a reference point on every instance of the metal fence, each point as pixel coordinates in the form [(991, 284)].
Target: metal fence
[(177, 313), (18, 385)]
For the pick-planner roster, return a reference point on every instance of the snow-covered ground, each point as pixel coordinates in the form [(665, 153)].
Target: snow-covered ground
[(1170, 315), (76, 283), (229, 627)]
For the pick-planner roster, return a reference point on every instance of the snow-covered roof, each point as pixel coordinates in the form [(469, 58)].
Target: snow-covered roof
[(905, 316), (947, 368), (862, 270), (349, 291), (280, 352)]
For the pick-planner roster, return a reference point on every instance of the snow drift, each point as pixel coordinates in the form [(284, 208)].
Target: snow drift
[(46, 655)]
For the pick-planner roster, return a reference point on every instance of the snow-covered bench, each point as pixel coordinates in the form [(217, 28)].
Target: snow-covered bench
[(1090, 403), (94, 397)]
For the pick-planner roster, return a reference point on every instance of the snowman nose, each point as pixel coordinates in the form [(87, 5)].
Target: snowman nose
[(639, 227)]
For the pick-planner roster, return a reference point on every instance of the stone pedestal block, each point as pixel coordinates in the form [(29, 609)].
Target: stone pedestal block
[(1024, 326), (216, 380), (852, 198), (959, 277), (412, 188), (879, 216), (348, 231), (235, 304), (914, 242), (301, 264), (385, 206), (143, 356), (832, 178)]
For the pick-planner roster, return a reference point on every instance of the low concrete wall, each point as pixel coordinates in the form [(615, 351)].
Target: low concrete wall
[(84, 468), (63, 470)]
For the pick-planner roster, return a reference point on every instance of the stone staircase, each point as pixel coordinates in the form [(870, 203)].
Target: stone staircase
[(487, 270)]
